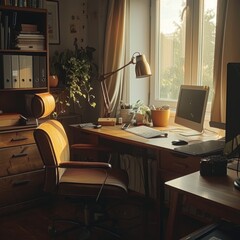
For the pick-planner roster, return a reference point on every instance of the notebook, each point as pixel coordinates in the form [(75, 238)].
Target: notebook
[(202, 148), (146, 132)]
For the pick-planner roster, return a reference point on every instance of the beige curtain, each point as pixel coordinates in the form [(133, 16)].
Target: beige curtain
[(227, 49), (114, 53)]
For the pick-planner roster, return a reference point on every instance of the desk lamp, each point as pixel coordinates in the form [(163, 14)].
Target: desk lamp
[(142, 69)]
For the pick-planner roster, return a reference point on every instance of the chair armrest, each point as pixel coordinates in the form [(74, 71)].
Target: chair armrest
[(77, 164), (93, 147)]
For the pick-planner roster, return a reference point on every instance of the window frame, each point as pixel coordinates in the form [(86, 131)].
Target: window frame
[(193, 56)]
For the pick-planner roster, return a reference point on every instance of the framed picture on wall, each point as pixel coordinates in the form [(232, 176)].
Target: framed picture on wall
[(53, 22)]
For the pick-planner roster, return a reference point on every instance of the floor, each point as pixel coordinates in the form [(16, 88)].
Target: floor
[(33, 223)]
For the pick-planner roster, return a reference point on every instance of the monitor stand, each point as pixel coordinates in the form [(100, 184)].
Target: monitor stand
[(186, 132), (190, 133)]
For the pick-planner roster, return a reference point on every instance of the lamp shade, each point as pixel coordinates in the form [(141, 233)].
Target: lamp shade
[(142, 67)]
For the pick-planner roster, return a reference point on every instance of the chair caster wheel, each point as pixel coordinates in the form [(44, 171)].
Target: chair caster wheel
[(52, 231)]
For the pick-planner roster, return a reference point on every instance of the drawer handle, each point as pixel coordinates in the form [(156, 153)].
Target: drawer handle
[(18, 139), (21, 182), (19, 155)]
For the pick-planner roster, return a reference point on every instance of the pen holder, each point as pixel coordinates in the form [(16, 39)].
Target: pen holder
[(160, 117), (126, 115)]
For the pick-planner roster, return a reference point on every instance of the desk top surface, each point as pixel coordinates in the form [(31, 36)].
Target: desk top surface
[(115, 133), (220, 190)]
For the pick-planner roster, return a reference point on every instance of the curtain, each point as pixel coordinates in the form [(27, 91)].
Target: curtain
[(114, 52), (227, 49)]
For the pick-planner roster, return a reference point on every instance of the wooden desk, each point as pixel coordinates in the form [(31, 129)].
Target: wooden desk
[(115, 133), (170, 164), (215, 195)]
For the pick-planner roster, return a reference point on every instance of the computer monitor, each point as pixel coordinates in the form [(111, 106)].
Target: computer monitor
[(191, 106), (232, 131)]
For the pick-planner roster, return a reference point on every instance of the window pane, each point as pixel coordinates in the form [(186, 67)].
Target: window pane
[(172, 47), (208, 44)]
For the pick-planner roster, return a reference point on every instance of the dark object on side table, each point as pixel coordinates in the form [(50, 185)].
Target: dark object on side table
[(215, 165)]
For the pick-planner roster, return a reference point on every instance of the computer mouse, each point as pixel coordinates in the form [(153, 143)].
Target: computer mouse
[(97, 126), (179, 142)]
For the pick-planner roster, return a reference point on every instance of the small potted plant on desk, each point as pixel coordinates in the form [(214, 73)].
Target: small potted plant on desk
[(142, 113)]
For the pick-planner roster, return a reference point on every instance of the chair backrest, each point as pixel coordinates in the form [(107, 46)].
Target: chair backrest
[(51, 140), (53, 146), (42, 105)]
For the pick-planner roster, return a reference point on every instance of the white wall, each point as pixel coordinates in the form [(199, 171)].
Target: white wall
[(139, 41)]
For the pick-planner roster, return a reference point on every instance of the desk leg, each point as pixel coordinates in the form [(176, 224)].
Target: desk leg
[(174, 209)]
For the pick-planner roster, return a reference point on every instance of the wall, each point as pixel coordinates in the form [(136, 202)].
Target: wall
[(83, 16), (71, 13), (139, 41), (91, 15)]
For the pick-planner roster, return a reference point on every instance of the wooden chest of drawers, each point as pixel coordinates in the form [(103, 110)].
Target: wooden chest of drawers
[(21, 169)]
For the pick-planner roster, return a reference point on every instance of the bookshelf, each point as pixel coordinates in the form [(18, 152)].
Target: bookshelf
[(24, 56), (24, 71)]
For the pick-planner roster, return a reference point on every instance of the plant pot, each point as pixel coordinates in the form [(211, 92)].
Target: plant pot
[(126, 115), (139, 118), (53, 80), (160, 118)]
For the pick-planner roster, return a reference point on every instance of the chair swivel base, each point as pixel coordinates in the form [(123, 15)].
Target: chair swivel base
[(85, 229)]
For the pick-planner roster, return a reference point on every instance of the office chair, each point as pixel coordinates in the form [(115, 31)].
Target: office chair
[(84, 181)]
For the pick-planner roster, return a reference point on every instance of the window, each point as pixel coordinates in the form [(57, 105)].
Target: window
[(183, 52)]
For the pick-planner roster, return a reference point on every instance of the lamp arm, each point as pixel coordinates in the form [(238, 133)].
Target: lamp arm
[(107, 102), (107, 75)]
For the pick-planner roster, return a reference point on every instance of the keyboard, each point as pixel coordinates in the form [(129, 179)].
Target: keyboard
[(146, 132)]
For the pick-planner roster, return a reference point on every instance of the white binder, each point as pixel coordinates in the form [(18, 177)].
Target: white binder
[(26, 75), (15, 71)]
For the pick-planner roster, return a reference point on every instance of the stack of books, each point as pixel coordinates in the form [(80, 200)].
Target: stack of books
[(30, 38)]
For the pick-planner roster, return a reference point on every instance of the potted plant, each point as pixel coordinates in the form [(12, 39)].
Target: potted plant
[(142, 113), (76, 71)]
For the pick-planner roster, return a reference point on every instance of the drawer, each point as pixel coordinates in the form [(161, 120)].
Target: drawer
[(19, 159), (179, 163), (16, 138), (19, 188)]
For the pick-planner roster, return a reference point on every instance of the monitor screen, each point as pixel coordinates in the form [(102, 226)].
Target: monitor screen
[(191, 106), (232, 132)]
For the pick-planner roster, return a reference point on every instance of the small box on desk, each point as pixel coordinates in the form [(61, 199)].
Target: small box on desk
[(107, 121)]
